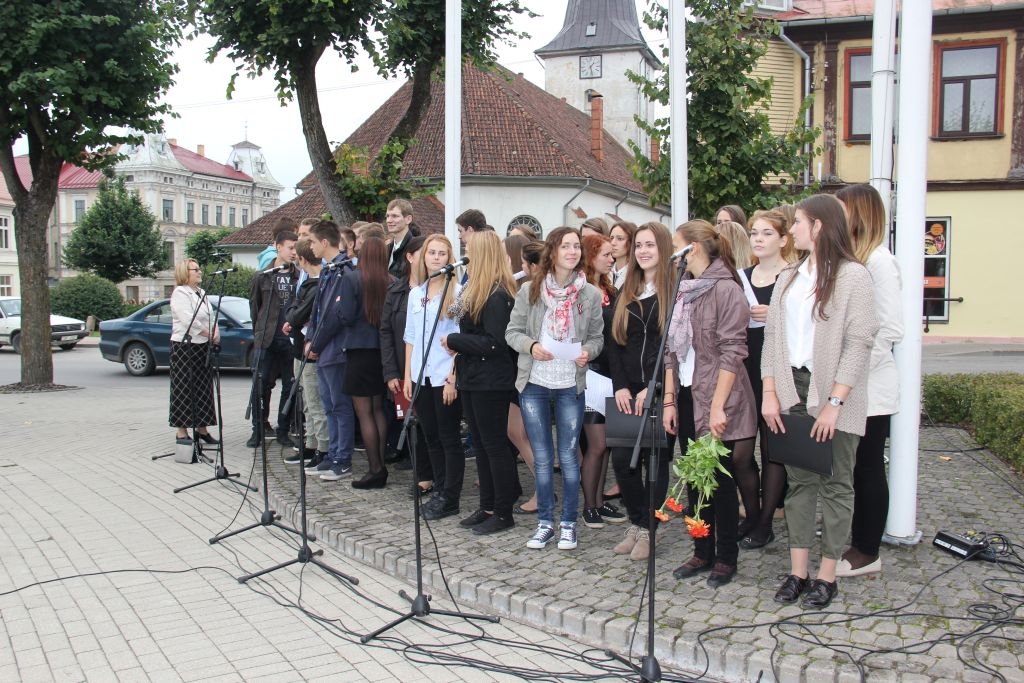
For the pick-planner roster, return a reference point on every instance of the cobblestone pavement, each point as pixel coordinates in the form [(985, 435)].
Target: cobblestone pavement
[(106, 575)]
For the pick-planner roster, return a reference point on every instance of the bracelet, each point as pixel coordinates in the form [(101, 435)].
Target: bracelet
[(669, 405), (670, 393), (531, 347)]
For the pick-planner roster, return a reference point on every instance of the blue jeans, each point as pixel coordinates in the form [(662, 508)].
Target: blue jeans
[(341, 418), (535, 403)]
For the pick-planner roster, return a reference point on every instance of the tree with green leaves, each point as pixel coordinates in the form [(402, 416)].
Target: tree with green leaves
[(79, 78), (287, 38), (202, 245), (117, 238), (730, 145)]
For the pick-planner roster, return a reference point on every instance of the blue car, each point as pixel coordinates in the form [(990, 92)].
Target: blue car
[(142, 341)]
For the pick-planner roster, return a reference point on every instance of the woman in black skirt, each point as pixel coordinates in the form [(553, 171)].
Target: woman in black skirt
[(191, 375), (362, 294)]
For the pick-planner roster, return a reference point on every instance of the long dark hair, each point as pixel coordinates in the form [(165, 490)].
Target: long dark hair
[(373, 271), (547, 259), (832, 246)]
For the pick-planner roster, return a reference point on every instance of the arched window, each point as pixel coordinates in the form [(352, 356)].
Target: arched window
[(526, 220)]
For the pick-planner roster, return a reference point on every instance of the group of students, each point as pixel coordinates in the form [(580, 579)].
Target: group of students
[(796, 311)]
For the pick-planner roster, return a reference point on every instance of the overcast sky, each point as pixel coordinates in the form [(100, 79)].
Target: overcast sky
[(207, 117)]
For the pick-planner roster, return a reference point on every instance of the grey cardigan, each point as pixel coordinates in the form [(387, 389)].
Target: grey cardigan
[(842, 346), (524, 329)]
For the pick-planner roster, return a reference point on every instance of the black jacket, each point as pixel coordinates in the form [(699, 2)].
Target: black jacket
[(298, 313), (484, 362), (265, 303), (392, 330), (397, 265), (632, 363)]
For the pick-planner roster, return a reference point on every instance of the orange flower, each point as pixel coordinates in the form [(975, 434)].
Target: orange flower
[(662, 515), (698, 528), (673, 505)]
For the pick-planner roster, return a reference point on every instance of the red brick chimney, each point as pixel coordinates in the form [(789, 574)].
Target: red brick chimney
[(597, 126), (201, 150), (173, 141), (655, 150)]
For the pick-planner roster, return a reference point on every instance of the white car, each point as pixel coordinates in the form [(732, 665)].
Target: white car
[(66, 332)]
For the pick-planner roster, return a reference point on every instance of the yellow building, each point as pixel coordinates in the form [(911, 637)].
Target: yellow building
[(973, 240)]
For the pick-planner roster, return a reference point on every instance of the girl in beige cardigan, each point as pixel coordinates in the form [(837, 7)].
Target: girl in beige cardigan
[(820, 330)]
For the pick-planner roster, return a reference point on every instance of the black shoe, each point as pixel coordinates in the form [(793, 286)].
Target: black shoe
[(394, 456), (721, 574), (819, 595), (692, 567), (285, 441), (208, 438), (314, 462), (372, 480), (493, 525), (592, 518), (476, 518), (268, 431), (790, 589), (438, 508), (753, 542), (253, 441), (405, 464)]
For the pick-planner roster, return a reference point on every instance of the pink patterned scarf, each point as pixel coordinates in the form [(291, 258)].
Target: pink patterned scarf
[(559, 302)]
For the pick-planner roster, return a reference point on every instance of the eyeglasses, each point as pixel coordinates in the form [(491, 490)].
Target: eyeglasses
[(195, 270)]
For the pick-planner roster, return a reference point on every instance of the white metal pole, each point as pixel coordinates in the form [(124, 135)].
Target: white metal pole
[(883, 99), (677, 114), (452, 117), (912, 188)]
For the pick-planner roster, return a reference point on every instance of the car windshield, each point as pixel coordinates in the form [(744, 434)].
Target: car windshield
[(12, 307), (237, 309)]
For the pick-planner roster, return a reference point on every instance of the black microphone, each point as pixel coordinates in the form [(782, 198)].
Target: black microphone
[(681, 253), (220, 255), (450, 268), (275, 269), (224, 271), (333, 265)]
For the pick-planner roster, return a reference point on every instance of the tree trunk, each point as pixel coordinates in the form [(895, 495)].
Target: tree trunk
[(31, 215), (320, 153), (418, 103)]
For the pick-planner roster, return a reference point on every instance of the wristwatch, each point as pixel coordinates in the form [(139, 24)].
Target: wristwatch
[(835, 400)]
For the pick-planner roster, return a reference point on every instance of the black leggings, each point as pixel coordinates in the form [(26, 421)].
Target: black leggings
[(440, 425), (870, 487), (487, 416), (722, 512)]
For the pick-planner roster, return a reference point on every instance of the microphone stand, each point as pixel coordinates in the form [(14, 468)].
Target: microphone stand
[(220, 472), (268, 517), (649, 669), (420, 604)]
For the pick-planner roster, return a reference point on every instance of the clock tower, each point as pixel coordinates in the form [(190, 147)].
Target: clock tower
[(599, 42)]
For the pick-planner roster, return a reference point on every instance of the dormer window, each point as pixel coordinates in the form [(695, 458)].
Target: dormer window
[(592, 29)]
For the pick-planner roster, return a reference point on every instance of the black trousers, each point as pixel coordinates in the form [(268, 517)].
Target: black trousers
[(487, 416), (722, 513), (871, 487), (275, 362), (440, 424)]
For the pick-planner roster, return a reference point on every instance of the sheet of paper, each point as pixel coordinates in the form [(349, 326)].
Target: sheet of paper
[(559, 349), (598, 389)]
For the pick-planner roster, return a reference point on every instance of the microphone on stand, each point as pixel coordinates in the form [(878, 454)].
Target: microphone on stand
[(450, 268), (224, 271), (220, 255), (275, 269), (681, 253), (338, 264)]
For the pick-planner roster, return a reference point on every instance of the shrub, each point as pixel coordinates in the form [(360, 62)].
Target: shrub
[(85, 295), (237, 283), (130, 307), (991, 405)]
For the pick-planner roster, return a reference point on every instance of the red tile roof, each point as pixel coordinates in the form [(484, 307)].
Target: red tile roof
[(428, 212), (200, 164), (839, 9), (513, 128), (75, 177)]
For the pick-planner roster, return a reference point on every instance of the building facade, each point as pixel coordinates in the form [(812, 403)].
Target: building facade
[(185, 190), (975, 154), (10, 282)]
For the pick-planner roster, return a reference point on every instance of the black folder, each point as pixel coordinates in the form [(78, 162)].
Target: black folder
[(796, 448)]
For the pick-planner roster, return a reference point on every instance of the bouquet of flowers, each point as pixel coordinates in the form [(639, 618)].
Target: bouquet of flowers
[(696, 468)]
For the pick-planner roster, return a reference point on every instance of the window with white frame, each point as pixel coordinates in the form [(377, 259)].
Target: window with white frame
[(5, 233), (231, 216), (79, 209), (168, 207), (6, 285)]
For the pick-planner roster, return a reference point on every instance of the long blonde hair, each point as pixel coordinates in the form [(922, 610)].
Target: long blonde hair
[(739, 240), (488, 269), (865, 215), (420, 274), (633, 287)]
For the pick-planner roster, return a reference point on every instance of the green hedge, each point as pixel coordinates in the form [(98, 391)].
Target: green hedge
[(991, 405), (85, 295)]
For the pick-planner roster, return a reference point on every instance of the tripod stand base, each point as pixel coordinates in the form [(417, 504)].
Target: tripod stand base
[(220, 473), (306, 556), (420, 607), (268, 518), (649, 669)]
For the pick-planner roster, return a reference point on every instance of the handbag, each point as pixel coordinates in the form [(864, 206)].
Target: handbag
[(621, 429)]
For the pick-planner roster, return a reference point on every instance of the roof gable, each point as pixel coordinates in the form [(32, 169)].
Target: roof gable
[(614, 26), (204, 166)]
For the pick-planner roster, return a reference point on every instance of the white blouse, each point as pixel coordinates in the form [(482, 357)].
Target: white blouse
[(800, 318), (184, 301)]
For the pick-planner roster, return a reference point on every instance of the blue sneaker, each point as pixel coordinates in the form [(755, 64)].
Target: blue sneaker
[(567, 536), (336, 472), (541, 536)]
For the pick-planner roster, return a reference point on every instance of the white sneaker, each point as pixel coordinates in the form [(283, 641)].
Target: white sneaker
[(541, 536), (567, 536)]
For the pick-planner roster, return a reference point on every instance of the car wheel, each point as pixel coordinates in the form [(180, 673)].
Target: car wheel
[(138, 360), (16, 342), (67, 347)]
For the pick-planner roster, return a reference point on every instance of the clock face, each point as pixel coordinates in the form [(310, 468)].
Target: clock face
[(590, 66)]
